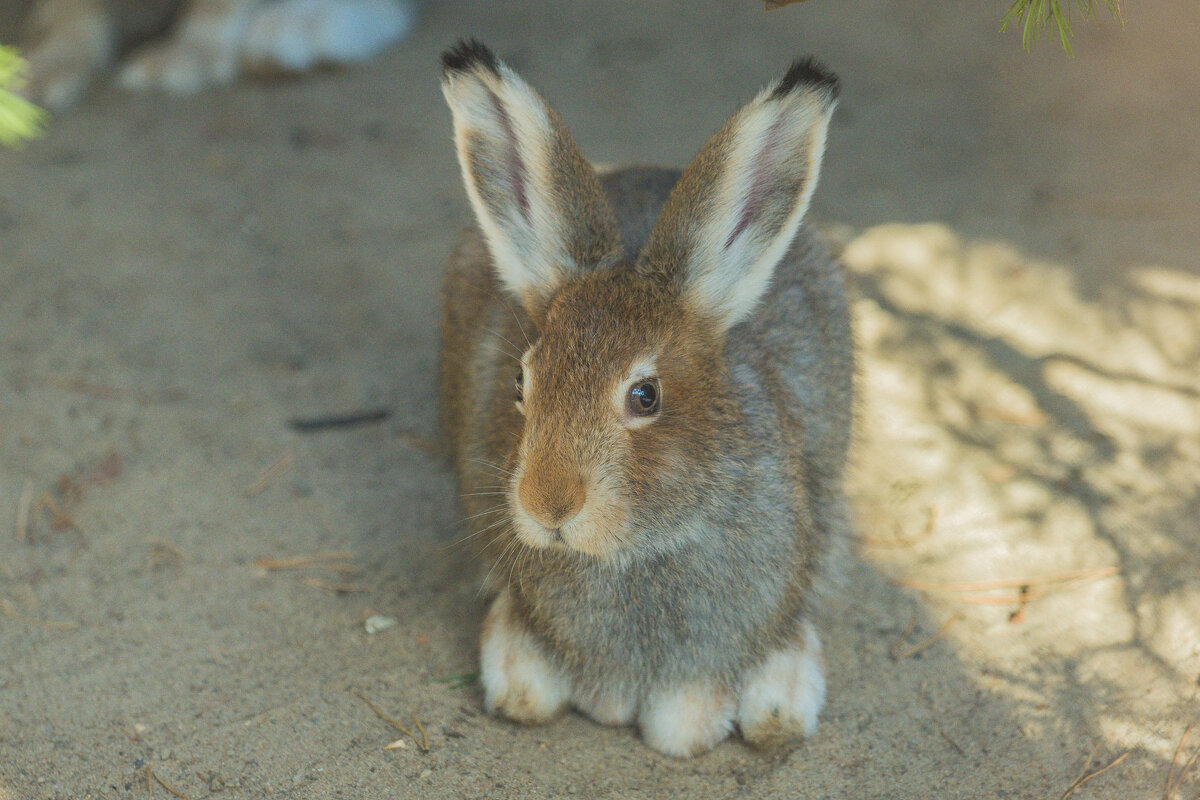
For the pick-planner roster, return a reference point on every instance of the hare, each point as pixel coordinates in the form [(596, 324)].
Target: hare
[(69, 43), (647, 384)]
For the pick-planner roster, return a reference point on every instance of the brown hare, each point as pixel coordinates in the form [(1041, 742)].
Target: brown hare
[(647, 382)]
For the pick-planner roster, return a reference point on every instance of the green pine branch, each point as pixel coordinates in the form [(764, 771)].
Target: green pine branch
[(1035, 15), (19, 118)]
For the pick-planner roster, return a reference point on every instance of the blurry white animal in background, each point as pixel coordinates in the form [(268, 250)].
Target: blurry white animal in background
[(69, 43)]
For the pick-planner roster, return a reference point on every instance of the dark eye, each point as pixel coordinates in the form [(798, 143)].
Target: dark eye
[(644, 398), (520, 384)]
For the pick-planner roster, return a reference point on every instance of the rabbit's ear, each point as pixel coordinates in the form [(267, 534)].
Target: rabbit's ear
[(737, 206), (537, 199)]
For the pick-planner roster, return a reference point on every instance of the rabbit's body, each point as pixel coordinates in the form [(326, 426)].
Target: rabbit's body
[(681, 606)]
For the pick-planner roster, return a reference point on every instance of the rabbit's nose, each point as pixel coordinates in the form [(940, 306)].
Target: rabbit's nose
[(553, 503)]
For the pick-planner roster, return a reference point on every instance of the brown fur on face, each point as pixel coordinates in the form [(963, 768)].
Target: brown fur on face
[(578, 450)]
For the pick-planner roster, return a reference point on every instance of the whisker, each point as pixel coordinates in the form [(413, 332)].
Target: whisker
[(497, 467), (516, 319), (483, 530), (462, 540), (513, 542), (516, 358), (491, 510)]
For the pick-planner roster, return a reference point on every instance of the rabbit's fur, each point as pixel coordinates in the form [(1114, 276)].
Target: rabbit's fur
[(70, 43), (653, 570)]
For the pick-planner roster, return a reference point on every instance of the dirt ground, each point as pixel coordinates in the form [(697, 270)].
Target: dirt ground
[(179, 278)]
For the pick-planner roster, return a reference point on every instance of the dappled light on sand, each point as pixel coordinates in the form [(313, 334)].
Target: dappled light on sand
[(1029, 462)]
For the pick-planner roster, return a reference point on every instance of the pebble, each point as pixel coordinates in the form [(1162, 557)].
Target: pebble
[(378, 622)]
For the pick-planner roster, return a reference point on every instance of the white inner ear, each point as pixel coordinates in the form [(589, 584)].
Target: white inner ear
[(526, 379), (750, 221), (640, 370), (501, 123)]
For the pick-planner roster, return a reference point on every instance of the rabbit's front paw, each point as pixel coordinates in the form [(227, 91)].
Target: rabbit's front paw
[(180, 67), (781, 698), (519, 681), (687, 720)]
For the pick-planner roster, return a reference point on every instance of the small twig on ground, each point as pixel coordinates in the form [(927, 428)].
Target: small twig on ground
[(163, 552), (336, 588), (422, 744), (957, 747), (60, 520), (1018, 599), (459, 681), (424, 737), (23, 506), (80, 386), (325, 422), (1183, 771), (1175, 779), (900, 655), (272, 473), (12, 612), (1082, 771), (150, 773), (899, 539), (1084, 776), (1033, 418), (1028, 589), (912, 626), (1073, 576), (334, 560)]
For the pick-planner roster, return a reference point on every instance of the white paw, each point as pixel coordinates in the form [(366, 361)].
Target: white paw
[(180, 67), (607, 705), (688, 720), (519, 682), (781, 699), (297, 35)]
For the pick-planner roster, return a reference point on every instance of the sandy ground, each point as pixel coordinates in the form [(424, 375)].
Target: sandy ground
[(179, 278)]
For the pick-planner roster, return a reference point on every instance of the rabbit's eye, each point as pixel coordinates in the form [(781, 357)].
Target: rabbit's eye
[(644, 398)]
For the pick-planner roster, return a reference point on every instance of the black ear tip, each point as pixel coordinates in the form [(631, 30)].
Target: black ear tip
[(808, 73), (468, 54)]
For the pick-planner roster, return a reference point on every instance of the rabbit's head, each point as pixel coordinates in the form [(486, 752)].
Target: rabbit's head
[(624, 391)]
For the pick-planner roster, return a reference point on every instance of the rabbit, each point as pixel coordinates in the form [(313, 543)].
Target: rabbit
[(69, 43), (647, 386)]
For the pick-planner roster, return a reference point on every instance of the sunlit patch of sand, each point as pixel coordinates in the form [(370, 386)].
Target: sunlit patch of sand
[(1015, 426)]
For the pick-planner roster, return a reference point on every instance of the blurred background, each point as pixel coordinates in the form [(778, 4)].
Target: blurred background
[(185, 579)]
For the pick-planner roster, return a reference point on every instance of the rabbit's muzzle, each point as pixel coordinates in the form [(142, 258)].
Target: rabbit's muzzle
[(550, 497)]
